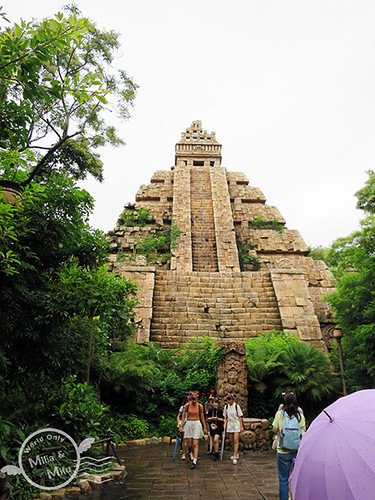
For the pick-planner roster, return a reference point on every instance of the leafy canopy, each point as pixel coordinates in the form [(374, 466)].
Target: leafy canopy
[(57, 83), (353, 301)]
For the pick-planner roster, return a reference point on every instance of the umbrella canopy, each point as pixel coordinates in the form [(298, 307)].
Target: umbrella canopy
[(336, 457)]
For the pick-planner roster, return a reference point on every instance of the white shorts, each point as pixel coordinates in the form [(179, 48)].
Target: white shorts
[(233, 426), (193, 429)]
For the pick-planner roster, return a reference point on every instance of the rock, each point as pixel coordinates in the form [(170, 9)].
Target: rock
[(72, 492), (84, 486), (60, 493)]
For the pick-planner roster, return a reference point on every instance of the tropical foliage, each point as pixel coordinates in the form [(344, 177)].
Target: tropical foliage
[(354, 299), (60, 309), (278, 362)]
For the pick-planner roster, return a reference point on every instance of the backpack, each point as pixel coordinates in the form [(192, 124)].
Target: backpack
[(290, 437)]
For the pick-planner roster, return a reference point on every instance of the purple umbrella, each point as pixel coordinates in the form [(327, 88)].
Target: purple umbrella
[(336, 457)]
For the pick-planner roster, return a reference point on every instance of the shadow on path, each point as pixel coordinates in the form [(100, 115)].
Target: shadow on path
[(151, 473)]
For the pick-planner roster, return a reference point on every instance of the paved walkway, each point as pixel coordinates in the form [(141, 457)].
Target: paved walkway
[(151, 473)]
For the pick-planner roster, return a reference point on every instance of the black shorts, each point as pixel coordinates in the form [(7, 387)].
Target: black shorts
[(218, 431)]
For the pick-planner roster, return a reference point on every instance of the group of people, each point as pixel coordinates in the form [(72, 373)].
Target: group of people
[(194, 421)]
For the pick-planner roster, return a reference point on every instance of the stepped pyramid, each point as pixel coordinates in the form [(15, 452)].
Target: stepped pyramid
[(235, 271)]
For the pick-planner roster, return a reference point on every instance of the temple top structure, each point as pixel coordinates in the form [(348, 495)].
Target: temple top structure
[(198, 143)]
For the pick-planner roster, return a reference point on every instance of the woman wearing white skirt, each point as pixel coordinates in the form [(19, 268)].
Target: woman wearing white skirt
[(193, 430), (233, 424)]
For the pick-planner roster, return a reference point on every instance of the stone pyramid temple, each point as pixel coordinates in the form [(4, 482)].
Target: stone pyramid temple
[(212, 258)]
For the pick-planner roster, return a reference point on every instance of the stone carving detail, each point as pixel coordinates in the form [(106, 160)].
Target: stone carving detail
[(327, 334), (283, 264), (232, 373), (256, 436), (140, 260)]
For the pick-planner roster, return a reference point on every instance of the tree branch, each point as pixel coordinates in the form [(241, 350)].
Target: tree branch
[(38, 167)]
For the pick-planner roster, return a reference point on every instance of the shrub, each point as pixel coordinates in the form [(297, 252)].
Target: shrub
[(168, 426), (136, 218), (76, 409), (260, 222)]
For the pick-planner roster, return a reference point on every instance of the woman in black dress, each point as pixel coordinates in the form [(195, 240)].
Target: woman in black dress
[(215, 420)]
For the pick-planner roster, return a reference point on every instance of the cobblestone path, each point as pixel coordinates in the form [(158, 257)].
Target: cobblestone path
[(151, 473)]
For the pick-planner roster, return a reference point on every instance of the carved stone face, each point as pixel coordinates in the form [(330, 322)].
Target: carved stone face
[(248, 437), (232, 376), (232, 362)]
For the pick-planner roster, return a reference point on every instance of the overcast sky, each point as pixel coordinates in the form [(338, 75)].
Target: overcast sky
[(287, 85)]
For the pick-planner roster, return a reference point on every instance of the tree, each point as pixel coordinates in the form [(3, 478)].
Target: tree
[(366, 195), (59, 295), (353, 301), (56, 84), (323, 253)]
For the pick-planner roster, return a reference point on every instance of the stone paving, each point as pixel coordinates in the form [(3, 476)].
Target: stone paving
[(152, 473)]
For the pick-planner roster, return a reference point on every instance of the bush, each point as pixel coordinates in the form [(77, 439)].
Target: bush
[(76, 409), (136, 218), (168, 426), (278, 362)]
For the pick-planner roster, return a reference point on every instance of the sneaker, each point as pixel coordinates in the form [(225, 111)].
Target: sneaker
[(183, 457), (234, 461), (193, 466), (234, 456)]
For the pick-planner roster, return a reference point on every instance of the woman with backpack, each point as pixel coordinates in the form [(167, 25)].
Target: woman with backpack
[(193, 416), (290, 424), (233, 425)]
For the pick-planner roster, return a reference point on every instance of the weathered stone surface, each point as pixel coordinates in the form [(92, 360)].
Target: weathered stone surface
[(43, 495), (72, 492), (56, 494), (84, 486), (232, 374), (206, 287), (256, 436)]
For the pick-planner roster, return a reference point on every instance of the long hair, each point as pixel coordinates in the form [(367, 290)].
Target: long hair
[(291, 405)]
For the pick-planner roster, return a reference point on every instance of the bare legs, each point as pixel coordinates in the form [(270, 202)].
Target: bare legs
[(194, 447), (234, 439), (216, 443)]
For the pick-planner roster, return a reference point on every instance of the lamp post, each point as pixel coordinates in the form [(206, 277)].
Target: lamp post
[(337, 334)]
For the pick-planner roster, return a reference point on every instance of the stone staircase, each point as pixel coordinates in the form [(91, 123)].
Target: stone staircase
[(220, 305), (203, 238)]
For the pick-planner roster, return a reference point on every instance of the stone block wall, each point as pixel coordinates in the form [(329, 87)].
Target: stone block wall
[(295, 305), (224, 228), (144, 276), (228, 305), (182, 258)]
